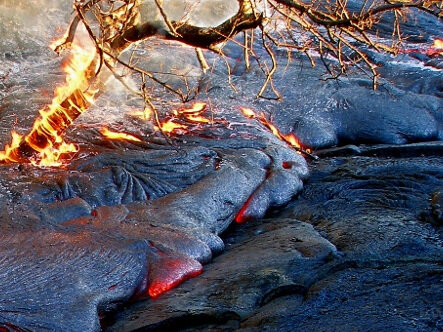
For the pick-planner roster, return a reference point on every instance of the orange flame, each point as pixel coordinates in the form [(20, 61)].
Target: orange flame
[(437, 47), (146, 114), (183, 118), (7, 155), (248, 112), (44, 143), (438, 43), (170, 126), (113, 135), (291, 139)]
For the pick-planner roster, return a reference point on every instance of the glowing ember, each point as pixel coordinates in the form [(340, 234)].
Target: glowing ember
[(437, 47), (146, 114), (248, 112), (291, 139), (113, 135), (170, 126), (44, 145)]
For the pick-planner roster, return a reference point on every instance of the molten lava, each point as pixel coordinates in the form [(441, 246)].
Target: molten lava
[(435, 50), (44, 145), (170, 272), (437, 47), (290, 139)]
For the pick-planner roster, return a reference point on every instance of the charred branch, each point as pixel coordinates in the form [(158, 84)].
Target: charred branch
[(206, 38)]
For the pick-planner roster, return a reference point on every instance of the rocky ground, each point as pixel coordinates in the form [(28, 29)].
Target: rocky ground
[(349, 242), (360, 249)]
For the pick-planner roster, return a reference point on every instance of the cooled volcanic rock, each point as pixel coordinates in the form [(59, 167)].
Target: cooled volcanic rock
[(127, 221), (152, 216), (355, 251)]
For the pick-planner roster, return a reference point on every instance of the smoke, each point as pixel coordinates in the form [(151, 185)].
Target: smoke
[(28, 26), (202, 13)]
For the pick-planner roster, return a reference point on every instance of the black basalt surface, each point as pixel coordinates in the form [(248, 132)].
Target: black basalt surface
[(349, 242), (359, 250)]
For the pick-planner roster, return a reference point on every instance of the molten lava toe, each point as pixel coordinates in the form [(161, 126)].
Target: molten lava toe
[(168, 270)]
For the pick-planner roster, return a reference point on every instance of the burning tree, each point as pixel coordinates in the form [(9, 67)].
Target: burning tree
[(339, 33)]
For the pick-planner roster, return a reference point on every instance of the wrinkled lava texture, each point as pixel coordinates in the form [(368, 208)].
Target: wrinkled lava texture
[(350, 242)]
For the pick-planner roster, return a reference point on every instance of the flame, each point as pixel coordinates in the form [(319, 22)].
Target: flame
[(146, 114), (183, 118), (113, 135), (248, 112), (7, 155), (291, 139), (438, 43), (438, 46), (44, 144), (170, 126)]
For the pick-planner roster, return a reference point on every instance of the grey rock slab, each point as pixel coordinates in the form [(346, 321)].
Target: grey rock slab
[(359, 249), (268, 258)]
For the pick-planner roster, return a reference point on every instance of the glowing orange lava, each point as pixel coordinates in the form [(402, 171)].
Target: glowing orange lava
[(437, 47), (113, 135), (175, 271), (291, 139), (434, 50)]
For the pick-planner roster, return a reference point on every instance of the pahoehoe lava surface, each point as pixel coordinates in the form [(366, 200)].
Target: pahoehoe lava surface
[(359, 249)]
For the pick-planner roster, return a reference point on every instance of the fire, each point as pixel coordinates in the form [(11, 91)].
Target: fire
[(113, 135), (44, 145), (7, 154), (438, 46), (179, 121), (291, 139), (182, 119), (146, 114), (438, 43), (248, 112), (170, 126)]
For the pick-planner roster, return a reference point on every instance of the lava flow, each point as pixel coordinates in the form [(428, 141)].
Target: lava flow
[(44, 144), (435, 50)]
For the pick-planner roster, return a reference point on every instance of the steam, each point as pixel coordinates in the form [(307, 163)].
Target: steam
[(201, 13), (28, 26)]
